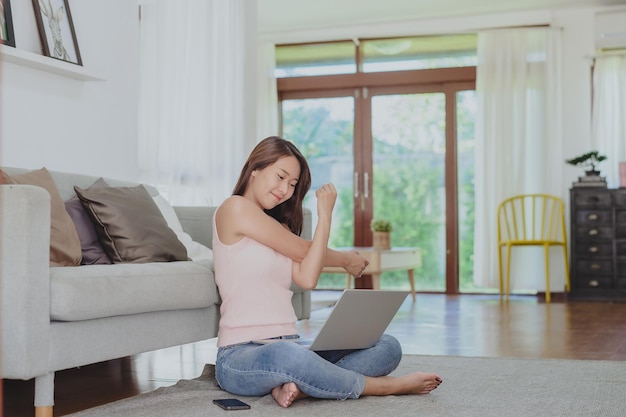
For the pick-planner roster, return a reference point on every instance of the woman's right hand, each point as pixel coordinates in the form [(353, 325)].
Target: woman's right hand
[(356, 264)]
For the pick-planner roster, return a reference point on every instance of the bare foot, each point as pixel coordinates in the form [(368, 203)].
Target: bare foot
[(419, 383), (415, 383), (286, 394)]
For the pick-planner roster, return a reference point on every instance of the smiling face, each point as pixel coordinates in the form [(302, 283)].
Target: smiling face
[(274, 184)]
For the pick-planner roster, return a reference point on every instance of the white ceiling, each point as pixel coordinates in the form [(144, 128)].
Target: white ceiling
[(282, 15)]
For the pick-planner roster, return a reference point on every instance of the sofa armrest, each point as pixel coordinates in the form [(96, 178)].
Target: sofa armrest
[(24, 280), (197, 222), (302, 298), (307, 225)]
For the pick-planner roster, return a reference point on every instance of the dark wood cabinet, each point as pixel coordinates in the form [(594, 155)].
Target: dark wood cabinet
[(598, 243)]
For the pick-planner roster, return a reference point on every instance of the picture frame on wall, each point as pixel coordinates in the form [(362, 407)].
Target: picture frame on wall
[(56, 30), (7, 35)]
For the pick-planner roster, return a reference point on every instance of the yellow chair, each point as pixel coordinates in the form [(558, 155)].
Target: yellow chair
[(531, 220)]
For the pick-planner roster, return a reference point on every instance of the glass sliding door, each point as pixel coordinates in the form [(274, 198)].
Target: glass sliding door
[(409, 167), (465, 116)]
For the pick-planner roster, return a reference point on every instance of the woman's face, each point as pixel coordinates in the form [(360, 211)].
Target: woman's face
[(275, 183)]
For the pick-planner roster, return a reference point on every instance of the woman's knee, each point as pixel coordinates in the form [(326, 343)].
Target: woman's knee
[(391, 344), (392, 348)]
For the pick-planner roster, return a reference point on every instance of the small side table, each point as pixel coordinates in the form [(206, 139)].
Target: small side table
[(382, 260)]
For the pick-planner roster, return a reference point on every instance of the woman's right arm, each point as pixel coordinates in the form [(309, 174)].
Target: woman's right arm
[(238, 217)]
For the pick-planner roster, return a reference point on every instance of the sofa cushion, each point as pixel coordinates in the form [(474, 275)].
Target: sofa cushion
[(91, 248), (130, 226), (94, 291), (64, 242)]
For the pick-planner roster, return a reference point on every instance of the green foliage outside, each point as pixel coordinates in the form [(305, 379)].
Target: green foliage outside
[(408, 179), (466, 111)]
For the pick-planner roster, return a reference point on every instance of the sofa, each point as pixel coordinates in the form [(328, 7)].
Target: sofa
[(60, 317)]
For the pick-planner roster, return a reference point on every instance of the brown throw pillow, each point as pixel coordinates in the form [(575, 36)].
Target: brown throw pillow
[(64, 243), (4, 178), (93, 253), (130, 226)]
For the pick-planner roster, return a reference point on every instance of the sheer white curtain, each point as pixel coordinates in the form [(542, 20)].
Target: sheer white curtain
[(609, 113), (197, 110), (518, 138), (267, 91)]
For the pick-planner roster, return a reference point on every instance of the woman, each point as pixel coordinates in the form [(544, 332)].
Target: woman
[(257, 255)]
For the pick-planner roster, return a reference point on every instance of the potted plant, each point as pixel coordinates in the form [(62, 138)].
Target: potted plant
[(589, 159), (382, 229)]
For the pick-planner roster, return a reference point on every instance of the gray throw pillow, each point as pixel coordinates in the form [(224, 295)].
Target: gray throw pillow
[(130, 226), (93, 253)]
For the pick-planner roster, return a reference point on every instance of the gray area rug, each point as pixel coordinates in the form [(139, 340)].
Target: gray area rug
[(471, 387)]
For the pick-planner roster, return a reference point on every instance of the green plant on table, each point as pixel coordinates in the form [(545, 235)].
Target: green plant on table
[(379, 225)]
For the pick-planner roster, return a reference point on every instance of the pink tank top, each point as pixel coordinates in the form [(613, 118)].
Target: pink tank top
[(254, 284)]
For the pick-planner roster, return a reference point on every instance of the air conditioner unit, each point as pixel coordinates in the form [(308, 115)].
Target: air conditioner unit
[(610, 30)]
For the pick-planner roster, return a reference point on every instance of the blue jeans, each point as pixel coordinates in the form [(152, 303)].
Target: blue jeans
[(253, 369)]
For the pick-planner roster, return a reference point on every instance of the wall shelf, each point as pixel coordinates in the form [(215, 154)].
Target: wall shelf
[(46, 64)]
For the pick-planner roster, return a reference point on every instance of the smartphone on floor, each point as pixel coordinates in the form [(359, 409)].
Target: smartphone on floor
[(231, 404)]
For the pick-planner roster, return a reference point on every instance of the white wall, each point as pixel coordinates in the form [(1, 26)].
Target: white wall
[(71, 125)]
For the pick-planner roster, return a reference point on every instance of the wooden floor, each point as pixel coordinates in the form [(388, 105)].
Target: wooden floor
[(467, 325)]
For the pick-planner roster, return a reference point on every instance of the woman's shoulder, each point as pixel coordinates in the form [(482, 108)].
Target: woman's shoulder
[(237, 206), (235, 202)]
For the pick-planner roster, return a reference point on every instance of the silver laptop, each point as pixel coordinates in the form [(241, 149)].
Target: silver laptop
[(357, 321)]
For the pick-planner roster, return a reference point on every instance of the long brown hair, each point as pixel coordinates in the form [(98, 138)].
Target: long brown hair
[(265, 153)]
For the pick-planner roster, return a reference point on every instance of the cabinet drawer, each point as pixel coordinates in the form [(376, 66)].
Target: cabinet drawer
[(594, 266), (620, 231), (595, 249), (620, 216), (592, 198), (621, 283), (594, 217), (620, 248), (593, 282), (621, 267), (593, 232), (620, 197)]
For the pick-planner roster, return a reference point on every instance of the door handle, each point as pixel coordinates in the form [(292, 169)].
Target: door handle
[(366, 185), (356, 185)]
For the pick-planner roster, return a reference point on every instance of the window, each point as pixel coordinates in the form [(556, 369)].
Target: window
[(315, 59), (376, 55), (423, 52)]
